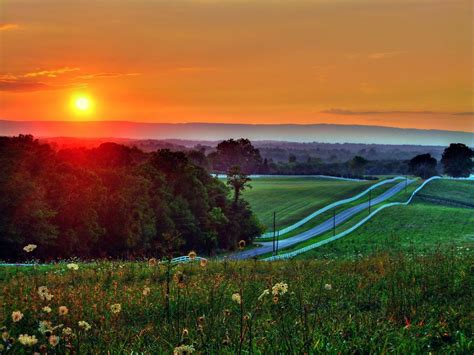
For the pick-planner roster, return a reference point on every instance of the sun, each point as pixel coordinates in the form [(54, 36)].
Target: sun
[(82, 104)]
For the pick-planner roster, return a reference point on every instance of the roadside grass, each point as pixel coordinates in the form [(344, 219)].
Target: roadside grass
[(419, 227), (293, 198), (329, 214), (383, 303), (461, 191)]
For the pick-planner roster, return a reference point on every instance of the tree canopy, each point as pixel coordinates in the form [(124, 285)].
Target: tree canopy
[(113, 201), (457, 160)]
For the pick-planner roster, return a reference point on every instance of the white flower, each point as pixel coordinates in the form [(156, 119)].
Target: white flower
[(47, 309), (237, 298), (84, 325), (44, 293), (116, 308), (72, 266), (146, 291), (29, 248), (279, 288), (27, 340), (328, 287), (45, 326), (67, 331)]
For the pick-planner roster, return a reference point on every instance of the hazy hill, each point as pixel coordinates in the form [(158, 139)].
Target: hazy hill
[(324, 133)]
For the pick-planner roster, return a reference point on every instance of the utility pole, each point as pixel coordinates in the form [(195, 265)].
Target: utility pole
[(274, 231), (334, 221), (278, 241), (370, 199), (406, 183)]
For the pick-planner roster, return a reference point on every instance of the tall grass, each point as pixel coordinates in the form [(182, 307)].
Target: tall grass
[(377, 304)]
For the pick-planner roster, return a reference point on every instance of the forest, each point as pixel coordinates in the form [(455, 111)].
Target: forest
[(113, 201)]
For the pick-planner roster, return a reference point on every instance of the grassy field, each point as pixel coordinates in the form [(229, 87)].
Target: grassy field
[(461, 191), (419, 227), (378, 304), (294, 198)]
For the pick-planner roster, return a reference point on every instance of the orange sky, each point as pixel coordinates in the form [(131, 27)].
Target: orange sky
[(403, 63)]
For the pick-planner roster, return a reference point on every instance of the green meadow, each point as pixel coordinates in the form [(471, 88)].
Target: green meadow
[(293, 198)]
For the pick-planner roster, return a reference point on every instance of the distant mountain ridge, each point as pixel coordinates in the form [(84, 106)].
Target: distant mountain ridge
[(324, 133)]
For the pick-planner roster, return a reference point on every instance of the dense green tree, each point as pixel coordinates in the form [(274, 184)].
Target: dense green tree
[(238, 181), (423, 165), (357, 165), (238, 152), (457, 160)]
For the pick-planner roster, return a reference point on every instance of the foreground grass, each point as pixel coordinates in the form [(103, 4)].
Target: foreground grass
[(294, 198), (403, 303)]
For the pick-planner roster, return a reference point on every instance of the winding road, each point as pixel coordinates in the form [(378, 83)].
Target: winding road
[(266, 247)]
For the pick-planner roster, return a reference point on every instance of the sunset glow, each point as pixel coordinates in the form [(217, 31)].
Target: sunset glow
[(376, 62)]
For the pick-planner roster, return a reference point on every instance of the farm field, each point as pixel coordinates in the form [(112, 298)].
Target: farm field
[(293, 198), (377, 304)]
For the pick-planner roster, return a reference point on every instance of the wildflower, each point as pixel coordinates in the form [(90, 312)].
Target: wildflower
[(183, 349), (27, 340), (84, 325), (5, 336), (203, 262), (280, 288), (47, 309), (116, 308), (226, 313), (192, 255), (185, 332), (242, 244), (17, 316), (29, 248), (201, 319), (72, 266), (67, 331), (275, 299), (63, 310), (53, 340), (237, 298), (246, 317), (152, 262), (264, 293), (146, 291), (328, 287), (44, 293)]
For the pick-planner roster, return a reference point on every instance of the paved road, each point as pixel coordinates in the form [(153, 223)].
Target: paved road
[(266, 247)]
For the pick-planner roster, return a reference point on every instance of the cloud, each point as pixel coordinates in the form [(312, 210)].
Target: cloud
[(104, 75), (337, 111), (49, 73), (464, 113), (383, 55), (23, 86), (8, 26)]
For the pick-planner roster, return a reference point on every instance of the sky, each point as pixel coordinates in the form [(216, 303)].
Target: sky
[(397, 63)]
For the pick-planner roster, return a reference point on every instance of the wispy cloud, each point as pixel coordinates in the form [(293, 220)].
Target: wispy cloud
[(23, 86), (49, 73), (383, 55), (104, 75), (8, 26)]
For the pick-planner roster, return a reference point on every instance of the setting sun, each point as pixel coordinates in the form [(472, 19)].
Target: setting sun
[(82, 104)]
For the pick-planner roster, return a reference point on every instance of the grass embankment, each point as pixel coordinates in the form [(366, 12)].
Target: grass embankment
[(379, 304), (329, 214), (293, 198), (420, 226)]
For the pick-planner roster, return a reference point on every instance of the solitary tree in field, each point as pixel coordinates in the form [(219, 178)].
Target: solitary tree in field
[(238, 181), (423, 165), (457, 160), (239, 152)]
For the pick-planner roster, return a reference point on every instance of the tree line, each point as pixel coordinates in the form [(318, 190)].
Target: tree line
[(115, 201)]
